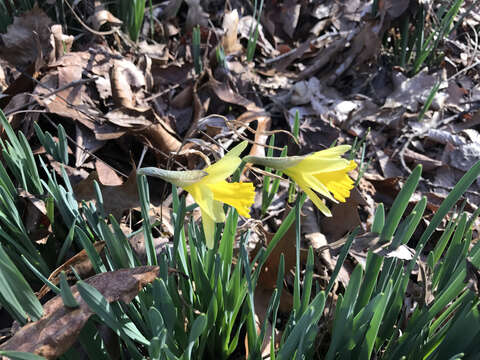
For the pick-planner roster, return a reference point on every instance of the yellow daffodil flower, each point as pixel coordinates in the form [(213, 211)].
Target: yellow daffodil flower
[(210, 189), (324, 172)]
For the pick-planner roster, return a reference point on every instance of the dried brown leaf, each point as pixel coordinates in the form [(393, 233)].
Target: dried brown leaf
[(63, 93), (87, 143), (59, 327), (80, 262), (60, 42), (102, 16), (344, 217), (126, 80), (27, 39), (116, 198)]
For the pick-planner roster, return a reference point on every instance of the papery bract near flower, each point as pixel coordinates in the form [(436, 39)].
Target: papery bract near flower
[(210, 189), (324, 172)]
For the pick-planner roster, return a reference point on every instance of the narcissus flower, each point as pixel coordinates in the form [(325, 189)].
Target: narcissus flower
[(210, 189), (324, 172)]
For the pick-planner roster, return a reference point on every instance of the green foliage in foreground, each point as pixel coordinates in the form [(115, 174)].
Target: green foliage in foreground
[(206, 307)]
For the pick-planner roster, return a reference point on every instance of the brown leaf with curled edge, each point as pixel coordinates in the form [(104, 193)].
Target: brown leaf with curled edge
[(162, 139), (149, 126), (59, 327), (80, 262), (126, 81), (60, 42), (103, 16), (27, 39)]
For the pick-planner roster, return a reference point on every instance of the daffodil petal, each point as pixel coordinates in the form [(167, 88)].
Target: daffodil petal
[(318, 186), (338, 182), (203, 196), (317, 201), (241, 196), (237, 150), (209, 230), (309, 181), (225, 166), (218, 212), (313, 164), (333, 151), (221, 170)]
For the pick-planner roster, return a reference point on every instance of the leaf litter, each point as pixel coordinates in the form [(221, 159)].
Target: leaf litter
[(321, 62)]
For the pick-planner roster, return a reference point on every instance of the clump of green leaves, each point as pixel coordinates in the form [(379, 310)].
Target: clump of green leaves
[(254, 30), (203, 302), (418, 43), (132, 13), (196, 51)]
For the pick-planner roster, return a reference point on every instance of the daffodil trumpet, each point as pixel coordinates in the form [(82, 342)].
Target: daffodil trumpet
[(324, 172), (210, 190)]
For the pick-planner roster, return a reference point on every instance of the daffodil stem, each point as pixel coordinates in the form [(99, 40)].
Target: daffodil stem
[(291, 191)]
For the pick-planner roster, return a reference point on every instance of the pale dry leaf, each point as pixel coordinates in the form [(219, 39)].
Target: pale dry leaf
[(59, 327), (104, 87), (247, 23), (230, 27), (60, 42), (157, 52), (3, 82), (464, 156), (106, 174), (445, 137), (325, 100), (127, 83), (102, 16)]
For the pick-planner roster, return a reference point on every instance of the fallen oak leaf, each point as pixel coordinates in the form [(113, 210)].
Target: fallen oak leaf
[(60, 326)]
